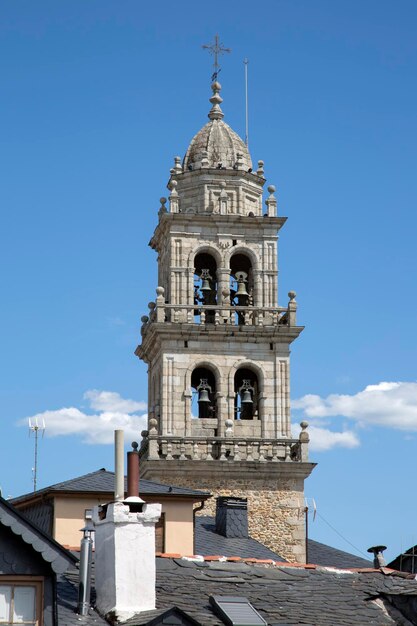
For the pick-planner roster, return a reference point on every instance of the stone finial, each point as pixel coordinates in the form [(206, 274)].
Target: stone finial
[(204, 160), (160, 302), (223, 199), (260, 171), (144, 319), (239, 161), (151, 306), (173, 198), (162, 208), (153, 423), (215, 112), (229, 428), (271, 202), (226, 296), (177, 165), (304, 437), (292, 309)]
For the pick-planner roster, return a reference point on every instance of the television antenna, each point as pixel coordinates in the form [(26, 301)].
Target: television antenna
[(36, 426), (309, 506)]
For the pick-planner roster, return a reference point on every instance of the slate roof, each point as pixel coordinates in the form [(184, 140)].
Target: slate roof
[(282, 594), (322, 554), (50, 550), (102, 481), (208, 542), (67, 598)]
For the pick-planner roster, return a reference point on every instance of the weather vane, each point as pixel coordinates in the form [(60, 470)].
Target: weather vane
[(216, 49)]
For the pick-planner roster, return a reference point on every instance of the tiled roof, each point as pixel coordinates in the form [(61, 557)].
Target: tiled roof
[(207, 541), (50, 550), (102, 481)]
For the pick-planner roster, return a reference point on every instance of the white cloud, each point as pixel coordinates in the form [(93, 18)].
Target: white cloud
[(112, 401), (112, 412), (322, 439), (390, 404)]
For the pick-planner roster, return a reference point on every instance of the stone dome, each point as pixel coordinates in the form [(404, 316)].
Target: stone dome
[(216, 143)]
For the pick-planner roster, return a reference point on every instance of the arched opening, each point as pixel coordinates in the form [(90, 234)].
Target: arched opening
[(205, 284), (246, 387), (241, 283), (203, 384)]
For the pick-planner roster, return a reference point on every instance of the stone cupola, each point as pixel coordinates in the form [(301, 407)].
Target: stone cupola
[(217, 341), (216, 145)]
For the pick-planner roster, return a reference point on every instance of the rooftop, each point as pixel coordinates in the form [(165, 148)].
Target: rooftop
[(281, 593), (102, 481), (208, 542)]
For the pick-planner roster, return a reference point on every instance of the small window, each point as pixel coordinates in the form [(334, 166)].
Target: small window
[(88, 514), (20, 603)]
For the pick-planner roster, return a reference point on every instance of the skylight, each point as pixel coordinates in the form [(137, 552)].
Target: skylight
[(236, 611)]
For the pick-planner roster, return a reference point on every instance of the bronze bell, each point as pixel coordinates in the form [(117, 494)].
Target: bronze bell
[(205, 280), (246, 397), (203, 396), (241, 288), (205, 285)]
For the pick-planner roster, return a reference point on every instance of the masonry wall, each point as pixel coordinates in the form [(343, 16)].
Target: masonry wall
[(275, 509)]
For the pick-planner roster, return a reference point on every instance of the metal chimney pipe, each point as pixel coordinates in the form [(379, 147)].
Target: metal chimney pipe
[(119, 477), (84, 588), (379, 560), (133, 471)]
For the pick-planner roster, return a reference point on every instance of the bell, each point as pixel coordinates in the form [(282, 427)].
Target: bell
[(241, 288), (246, 397), (203, 396), (205, 285)]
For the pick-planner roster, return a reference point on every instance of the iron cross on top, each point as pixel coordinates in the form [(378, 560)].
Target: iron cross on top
[(215, 49)]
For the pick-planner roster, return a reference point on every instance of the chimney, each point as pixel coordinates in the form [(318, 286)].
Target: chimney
[(377, 551), (119, 471), (125, 557), (232, 516), (133, 471)]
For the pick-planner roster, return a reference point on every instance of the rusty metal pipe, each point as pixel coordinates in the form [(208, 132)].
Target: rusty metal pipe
[(133, 471)]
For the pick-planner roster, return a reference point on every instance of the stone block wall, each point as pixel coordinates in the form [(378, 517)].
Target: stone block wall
[(275, 510)]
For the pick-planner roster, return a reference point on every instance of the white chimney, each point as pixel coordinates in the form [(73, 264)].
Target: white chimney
[(125, 559), (125, 549)]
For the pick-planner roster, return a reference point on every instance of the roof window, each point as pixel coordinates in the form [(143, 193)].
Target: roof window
[(236, 611)]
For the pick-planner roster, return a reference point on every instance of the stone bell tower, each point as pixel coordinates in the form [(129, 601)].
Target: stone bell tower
[(217, 342)]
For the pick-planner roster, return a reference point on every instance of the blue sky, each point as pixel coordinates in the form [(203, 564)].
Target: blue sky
[(96, 98)]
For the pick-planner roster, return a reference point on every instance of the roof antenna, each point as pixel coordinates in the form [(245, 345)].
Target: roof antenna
[(36, 426), (309, 504), (245, 62), (216, 49)]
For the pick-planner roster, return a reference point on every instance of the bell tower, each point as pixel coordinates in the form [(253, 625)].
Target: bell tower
[(217, 342)]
